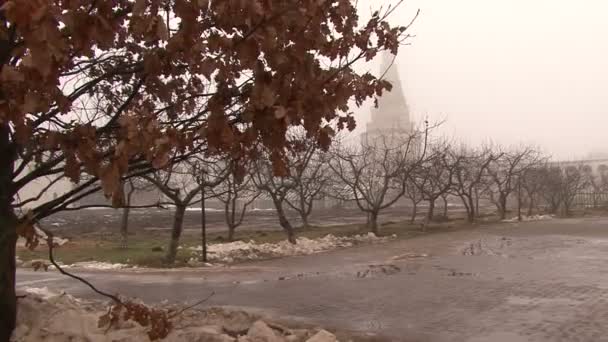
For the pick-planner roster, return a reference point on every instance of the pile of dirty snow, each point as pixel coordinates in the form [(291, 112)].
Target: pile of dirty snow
[(44, 315), (98, 265), (240, 251), (88, 265), (530, 218)]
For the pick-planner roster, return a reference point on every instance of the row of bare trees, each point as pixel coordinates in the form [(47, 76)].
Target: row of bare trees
[(373, 175)]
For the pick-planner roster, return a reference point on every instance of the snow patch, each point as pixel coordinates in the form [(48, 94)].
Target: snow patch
[(530, 218), (43, 292), (44, 315), (98, 265), (206, 209), (240, 251)]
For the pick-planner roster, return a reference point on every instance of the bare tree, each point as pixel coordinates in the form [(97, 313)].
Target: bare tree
[(552, 187), (436, 176), (182, 184), (505, 172), (471, 175), (277, 188), (132, 185), (309, 173), (412, 192), (573, 181), (236, 193), (376, 171), (534, 185)]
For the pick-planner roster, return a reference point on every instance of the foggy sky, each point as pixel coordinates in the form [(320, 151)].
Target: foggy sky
[(531, 71)]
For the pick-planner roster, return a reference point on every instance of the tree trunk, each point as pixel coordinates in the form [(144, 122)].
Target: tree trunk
[(203, 227), (445, 207), (284, 222), (472, 213), (519, 218), (530, 206), (476, 213), (8, 298), (124, 228), (176, 232), (8, 240), (373, 222), (502, 206), (304, 212), (414, 212), (305, 223), (231, 229), (124, 224), (431, 212), (230, 216)]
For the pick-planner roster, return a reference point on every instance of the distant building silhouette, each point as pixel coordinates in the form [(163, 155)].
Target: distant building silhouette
[(392, 116)]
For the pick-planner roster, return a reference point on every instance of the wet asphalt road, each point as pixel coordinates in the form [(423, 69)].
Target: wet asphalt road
[(537, 281)]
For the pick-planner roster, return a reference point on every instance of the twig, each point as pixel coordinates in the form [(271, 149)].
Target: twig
[(49, 242), (193, 305)]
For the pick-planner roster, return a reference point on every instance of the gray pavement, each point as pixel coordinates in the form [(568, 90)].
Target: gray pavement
[(537, 281)]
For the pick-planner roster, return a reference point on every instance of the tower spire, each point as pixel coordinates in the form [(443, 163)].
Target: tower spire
[(392, 112)]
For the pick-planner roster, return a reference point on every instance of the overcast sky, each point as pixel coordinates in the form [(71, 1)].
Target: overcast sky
[(532, 71)]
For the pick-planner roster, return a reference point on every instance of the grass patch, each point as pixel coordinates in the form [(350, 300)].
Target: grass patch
[(148, 249)]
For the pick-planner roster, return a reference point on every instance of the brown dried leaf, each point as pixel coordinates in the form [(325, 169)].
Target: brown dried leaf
[(280, 112), (139, 7), (161, 29), (268, 96), (11, 74)]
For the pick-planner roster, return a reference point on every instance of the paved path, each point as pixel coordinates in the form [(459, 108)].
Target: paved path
[(538, 281)]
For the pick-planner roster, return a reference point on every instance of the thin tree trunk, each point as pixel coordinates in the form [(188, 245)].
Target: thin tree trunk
[(124, 224), (502, 207), (176, 232), (124, 227), (373, 222), (230, 216), (203, 227), (471, 213), (476, 203), (414, 212), (8, 240), (530, 205), (305, 223), (431, 212), (304, 213), (445, 207), (284, 222), (519, 218), (231, 229)]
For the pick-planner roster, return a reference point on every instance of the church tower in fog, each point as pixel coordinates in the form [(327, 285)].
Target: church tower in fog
[(392, 117)]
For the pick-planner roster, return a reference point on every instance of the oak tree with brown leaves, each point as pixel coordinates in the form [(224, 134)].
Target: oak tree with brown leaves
[(112, 89)]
